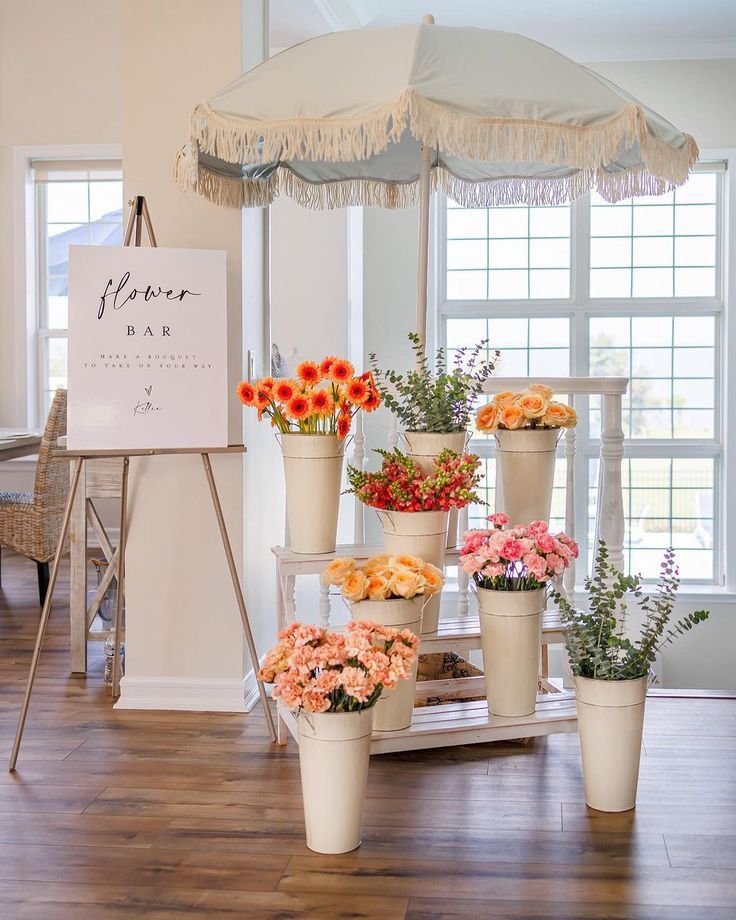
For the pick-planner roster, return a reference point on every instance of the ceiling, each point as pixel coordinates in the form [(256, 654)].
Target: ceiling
[(586, 30)]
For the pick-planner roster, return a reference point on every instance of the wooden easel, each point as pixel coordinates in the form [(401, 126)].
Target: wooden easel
[(138, 216)]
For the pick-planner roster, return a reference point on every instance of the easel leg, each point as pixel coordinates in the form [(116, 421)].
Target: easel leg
[(282, 730), (45, 614), (121, 579), (238, 593)]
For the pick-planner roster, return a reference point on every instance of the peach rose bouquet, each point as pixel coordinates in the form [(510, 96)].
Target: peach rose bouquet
[(518, 559), (532, 408), (319, 671), (383, 578), (321, 399)]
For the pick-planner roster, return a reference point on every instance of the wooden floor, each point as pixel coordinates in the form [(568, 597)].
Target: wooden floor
[(171, 815)]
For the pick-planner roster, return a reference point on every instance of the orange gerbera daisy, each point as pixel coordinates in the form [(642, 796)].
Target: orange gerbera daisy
[(309, 372), (266, 383), (298, 407), (326, 365), (356, 390), (343, 426), (341, 370), (262, 397), (372, 401), (246, 393), (284, 390), (322, 402)]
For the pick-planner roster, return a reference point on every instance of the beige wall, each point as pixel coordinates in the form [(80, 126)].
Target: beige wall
[(59, 85), (184, 634)]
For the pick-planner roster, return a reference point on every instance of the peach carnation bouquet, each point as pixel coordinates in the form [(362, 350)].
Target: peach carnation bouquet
[(382, 578), (532, 408), (518, 559), (322, 399), (320, 671)]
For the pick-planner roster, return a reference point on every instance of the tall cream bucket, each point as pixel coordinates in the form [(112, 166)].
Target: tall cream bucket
[(422, 534), (423, 447), (394, 708), (610, 722), (511, 638), (334, 752), (526, 463), (313, 474)]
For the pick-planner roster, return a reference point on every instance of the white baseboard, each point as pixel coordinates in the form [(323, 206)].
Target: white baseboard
[(188, 693)]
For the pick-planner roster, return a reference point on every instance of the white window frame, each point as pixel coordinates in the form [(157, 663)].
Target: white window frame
[(579, 308), (29, 387)]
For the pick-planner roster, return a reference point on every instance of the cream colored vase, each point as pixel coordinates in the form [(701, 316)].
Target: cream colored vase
[(394, 708), (423, 447), (422, 534), (610, 722), (313, 473), (511, 639), (334, 751), (526, 464)]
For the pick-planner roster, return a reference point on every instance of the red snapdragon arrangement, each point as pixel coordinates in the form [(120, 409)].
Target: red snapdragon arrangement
[(319, 671), (400, 486), (518, 559)]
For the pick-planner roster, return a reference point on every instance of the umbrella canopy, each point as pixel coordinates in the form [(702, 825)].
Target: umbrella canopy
[(341, 120)]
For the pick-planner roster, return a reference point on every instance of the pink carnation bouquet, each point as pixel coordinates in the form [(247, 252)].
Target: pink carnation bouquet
[(320, 671), (518, 559)]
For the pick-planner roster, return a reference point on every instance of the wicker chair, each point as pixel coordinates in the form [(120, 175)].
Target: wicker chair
[(30, 522)]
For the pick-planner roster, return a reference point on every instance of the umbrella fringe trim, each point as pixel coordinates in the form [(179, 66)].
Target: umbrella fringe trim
[(487, 139), (234, 192)]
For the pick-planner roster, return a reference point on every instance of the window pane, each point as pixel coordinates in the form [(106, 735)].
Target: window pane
[(66, 202), (667, 502), (105, 201), (671, 365), (670, 242), (523, 252)]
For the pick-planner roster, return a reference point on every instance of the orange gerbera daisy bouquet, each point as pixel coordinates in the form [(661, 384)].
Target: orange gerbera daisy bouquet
[(321, 399)]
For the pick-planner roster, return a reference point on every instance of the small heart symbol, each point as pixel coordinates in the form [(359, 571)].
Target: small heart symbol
[(148, 390)]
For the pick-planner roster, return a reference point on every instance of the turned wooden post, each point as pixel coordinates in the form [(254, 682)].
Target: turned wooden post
[(610, 496)]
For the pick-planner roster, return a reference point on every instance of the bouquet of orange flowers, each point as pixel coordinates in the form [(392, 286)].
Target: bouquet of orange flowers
[(384, 577), (532, 408), (322, 399)]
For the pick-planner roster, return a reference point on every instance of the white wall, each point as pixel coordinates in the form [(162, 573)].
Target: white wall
[(184, 638), (59, 85)]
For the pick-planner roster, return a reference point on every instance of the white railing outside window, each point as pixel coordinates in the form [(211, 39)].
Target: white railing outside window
[(635, 290)]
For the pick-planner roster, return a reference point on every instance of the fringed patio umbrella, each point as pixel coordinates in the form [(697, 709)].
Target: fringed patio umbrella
[(382, 116)]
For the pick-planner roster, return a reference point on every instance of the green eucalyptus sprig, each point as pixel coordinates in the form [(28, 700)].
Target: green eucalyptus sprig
[(596, 641), (435, 399)]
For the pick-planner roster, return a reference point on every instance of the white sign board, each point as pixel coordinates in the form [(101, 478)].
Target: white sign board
[(147, 348)]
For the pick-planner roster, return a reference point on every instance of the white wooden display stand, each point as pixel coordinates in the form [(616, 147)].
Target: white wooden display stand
[(455, 723)]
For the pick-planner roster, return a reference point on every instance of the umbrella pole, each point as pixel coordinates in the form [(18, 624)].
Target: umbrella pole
[(425, 191)]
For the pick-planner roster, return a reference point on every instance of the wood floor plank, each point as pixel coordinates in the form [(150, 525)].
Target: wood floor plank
[(430, 909), (688, 851)]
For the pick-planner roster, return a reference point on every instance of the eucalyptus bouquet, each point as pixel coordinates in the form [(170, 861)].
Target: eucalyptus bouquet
[(596, 642), (435, 399)]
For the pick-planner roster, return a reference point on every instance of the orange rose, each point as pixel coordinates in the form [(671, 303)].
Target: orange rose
[(355, 587), (556, 415), (533, 405), (512, 417), (572, 417), (433, 578), (376, 564), (406, 583), (542, 389), (413, 563), (487, 417), (338, 570), (505, 399), (379, 588)]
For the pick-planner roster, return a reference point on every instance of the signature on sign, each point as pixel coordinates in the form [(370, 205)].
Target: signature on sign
[(145, 406)]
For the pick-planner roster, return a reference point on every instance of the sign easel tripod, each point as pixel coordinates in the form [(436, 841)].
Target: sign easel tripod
[(139, 216)]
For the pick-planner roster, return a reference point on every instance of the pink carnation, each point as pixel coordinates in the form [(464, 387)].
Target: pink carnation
[(546, 543), (535, 565), (499, 519), (511, 550), (555, 563), (494, 571), (356, 683), (315, 701), (536, 528)]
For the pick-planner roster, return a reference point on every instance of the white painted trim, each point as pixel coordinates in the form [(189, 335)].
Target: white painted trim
[(192, 694)]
